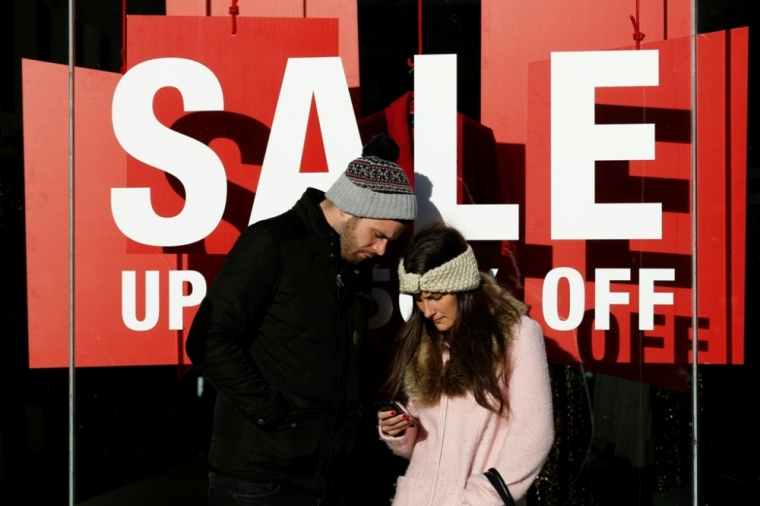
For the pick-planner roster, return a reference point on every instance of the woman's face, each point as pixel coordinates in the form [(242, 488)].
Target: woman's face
[(440, 308)]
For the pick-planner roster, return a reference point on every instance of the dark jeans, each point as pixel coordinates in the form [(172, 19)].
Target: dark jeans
[(225, 491)]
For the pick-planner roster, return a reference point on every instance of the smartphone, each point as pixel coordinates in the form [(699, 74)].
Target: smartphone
[(392, 406)]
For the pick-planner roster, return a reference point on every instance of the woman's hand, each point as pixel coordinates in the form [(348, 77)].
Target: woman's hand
[(391, 423)]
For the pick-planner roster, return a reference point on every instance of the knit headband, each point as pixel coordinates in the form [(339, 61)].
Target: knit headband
[(459, 274)]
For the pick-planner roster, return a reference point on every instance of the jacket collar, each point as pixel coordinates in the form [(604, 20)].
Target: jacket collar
[(308, 209)]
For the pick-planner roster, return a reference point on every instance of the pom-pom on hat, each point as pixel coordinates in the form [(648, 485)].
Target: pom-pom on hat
[(373, 186)]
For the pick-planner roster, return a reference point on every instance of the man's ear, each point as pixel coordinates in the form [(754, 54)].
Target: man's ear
[(344, 216)]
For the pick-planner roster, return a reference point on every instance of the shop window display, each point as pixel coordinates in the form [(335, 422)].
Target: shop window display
[(623, 403)]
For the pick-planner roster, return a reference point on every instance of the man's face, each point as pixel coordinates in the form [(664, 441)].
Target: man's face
[(363, 238)]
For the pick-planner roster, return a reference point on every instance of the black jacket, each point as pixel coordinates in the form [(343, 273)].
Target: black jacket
[(279, 335)]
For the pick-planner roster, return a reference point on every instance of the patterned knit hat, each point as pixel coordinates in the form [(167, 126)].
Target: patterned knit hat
[(374, 187)]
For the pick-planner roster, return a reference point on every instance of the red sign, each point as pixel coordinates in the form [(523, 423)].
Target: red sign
[(207, 132)]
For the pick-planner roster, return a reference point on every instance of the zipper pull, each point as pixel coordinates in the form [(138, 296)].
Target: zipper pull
[(339, 281)]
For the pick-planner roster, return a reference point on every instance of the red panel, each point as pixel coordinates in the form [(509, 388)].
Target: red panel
[(186, 7), (46, 182), (738, 41), (721, 186), (100, 336)]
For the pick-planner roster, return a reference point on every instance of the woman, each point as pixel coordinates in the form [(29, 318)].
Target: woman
[(471, 371)]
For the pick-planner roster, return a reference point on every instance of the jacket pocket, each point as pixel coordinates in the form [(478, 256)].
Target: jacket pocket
[(298, 436)]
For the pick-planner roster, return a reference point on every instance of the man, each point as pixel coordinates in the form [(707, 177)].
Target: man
[(279, 333)]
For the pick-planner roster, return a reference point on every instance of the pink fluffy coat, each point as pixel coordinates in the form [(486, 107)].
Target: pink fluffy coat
[(456, 440)]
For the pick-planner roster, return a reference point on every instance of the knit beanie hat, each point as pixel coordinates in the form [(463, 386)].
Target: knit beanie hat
[(373, 186)]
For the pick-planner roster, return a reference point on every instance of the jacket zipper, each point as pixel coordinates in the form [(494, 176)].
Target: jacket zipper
[(440, 452), (338, 285)]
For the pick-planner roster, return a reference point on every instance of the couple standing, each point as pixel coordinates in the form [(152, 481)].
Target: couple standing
[(280, 332)]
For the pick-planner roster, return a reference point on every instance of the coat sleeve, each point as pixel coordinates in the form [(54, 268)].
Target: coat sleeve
[(227, 319), (530, 429), (403, 445)]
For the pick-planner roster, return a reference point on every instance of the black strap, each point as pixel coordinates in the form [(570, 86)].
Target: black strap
[(498, 483)]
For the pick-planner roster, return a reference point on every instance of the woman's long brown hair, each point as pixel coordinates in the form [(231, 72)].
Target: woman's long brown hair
[(477, 337)]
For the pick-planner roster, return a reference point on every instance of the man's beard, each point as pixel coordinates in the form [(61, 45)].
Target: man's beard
[(349, 246)]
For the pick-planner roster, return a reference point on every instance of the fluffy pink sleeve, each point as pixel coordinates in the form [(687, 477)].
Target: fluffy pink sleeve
[(530, 430), (403, 445)]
